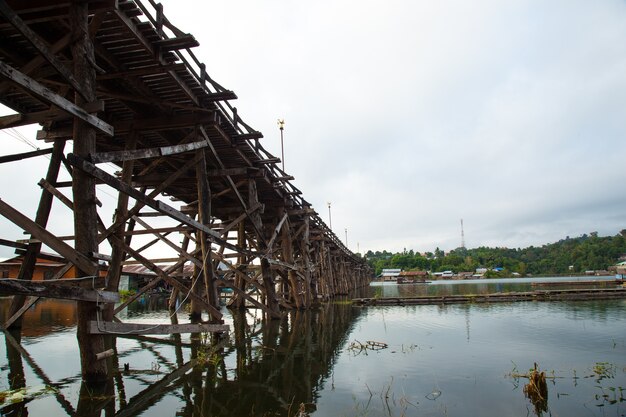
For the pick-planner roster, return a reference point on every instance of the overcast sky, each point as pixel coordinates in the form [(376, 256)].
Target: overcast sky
[(410, 115)]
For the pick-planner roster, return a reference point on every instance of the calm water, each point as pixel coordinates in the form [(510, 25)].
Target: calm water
[(449, 360)]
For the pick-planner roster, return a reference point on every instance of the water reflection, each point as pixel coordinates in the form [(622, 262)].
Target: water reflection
[(264, 368), (452, 360)]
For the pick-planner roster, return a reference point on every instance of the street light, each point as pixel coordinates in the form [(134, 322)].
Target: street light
[(346, 237), (330, 219), (281, 126)]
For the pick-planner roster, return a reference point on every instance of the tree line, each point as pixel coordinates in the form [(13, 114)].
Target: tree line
[(567, 256)]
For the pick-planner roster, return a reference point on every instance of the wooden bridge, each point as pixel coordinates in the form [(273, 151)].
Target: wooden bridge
[(145, 121)]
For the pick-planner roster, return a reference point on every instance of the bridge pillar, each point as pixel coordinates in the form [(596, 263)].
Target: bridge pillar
[(84, 188)]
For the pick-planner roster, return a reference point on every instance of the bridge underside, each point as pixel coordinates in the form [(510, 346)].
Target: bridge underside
[(191, 180)]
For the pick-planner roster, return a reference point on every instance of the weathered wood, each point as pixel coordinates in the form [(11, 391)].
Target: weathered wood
[(51, 97), (42, 47), (41, 218), (119, 156), (54, 290), (279, 226), (135, 328), (86, 218), (20, 156), (12, 244), (155, 204), (204, 217), (544, 295), (49, 239), (18, 314), (229, 172), (106, 354)]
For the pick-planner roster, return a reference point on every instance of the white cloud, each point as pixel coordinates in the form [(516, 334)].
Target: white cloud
[(410, 115)]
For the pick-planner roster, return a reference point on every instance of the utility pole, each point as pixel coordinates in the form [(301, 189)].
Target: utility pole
[(281, 126), (346, 237), (330, 220), (462, 235)]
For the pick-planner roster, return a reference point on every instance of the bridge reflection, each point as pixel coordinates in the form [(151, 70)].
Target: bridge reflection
[(265, 367)]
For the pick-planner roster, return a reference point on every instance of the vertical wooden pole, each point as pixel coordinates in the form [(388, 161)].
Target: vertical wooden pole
[(84, 189), (41, 218), (117, 251), (204, 217), (174, 294), (266, 270), (239, 301), (287, 249), (197, 282), (305, 248)]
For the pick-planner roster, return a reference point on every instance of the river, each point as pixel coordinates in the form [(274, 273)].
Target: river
[(338, 360)]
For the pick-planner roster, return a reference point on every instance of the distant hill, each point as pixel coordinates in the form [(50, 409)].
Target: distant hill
[(567, 256)]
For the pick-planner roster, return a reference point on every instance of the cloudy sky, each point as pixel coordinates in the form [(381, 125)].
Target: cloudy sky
[(410, 115)]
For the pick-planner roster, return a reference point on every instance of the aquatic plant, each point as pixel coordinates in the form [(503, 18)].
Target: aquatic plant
[(537, 390)]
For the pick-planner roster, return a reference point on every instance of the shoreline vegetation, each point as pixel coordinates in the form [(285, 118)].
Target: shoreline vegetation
[(588, 254)]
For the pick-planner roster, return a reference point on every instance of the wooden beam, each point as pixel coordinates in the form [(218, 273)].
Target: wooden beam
[(160, 206), (227, 172), (12, 244), (54, 114), (276, 231), (54, 290), (77, 258), (28, 304), (20, 156), (51, 97), (113, 327), (119, 156)]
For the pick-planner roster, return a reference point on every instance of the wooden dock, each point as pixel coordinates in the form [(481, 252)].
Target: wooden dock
[(505, 297)]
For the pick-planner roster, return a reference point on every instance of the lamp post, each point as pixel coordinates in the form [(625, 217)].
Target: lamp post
[(281, 126), (347, 237), (330, 219)]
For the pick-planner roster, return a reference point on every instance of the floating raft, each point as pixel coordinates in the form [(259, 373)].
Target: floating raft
[(505, 297), (574, 283)]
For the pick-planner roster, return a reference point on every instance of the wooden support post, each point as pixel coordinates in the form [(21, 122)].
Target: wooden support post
[(204, 217), (239, 301), (41, 218), (268, 277), (174, 294), (84, 189), (117, 251), (295, 290), (309, 291)]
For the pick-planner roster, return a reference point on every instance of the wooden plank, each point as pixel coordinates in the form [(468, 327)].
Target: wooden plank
[(138, 72), (156, 124), (25, 155), (51, 97), (180, 42), (119, 156), (54, 290), (111, 327), (62, 248)]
